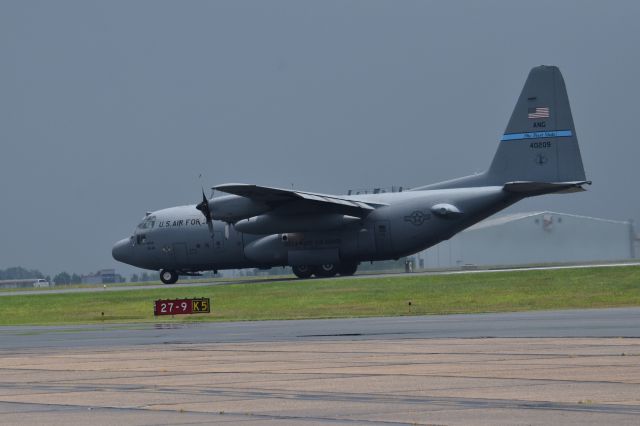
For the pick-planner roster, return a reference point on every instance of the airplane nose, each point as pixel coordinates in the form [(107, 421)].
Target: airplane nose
[(122, 251)]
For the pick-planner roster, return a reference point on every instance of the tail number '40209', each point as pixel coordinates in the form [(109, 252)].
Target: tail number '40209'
[(538, 145)]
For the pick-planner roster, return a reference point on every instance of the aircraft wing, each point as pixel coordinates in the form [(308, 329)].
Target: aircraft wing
[(288, 201)]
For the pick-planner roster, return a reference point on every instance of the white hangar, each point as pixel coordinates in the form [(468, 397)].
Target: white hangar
[(533, 238)]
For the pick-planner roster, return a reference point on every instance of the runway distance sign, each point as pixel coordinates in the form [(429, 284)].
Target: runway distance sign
[(182, 306)]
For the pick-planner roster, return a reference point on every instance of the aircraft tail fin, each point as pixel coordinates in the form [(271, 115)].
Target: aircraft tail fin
[(540, 142)]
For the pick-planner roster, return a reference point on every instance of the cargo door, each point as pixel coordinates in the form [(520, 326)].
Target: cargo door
[(382, 234)]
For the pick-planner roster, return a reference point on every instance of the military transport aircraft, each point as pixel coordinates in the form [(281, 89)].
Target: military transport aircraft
[(324, 235)]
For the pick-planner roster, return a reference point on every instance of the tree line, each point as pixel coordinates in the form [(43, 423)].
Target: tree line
[(62, 278), (20, 273)]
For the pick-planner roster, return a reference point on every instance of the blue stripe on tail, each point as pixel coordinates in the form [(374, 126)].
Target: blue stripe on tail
[(537, 135)]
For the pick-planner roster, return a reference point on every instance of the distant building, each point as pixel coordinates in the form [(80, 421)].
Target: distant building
[(25, 283), (534, 238), (104, 276)]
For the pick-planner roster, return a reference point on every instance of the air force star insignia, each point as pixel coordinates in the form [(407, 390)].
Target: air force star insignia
[(417, 218)]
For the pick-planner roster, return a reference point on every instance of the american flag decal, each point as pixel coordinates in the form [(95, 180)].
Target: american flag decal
[(538, 112)]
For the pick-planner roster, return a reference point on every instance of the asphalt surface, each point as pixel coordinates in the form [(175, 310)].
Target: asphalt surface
[(254, 280), (618, 322), (575, 367)]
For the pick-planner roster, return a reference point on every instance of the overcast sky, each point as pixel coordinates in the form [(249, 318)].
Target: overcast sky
[(109, 109)]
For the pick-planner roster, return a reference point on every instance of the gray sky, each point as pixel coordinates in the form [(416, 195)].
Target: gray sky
[(109, 109)]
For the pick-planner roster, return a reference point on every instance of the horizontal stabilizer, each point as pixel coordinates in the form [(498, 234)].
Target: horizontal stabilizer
[(539, 188)]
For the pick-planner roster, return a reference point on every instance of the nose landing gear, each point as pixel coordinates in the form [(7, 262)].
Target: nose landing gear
[(168, 276)]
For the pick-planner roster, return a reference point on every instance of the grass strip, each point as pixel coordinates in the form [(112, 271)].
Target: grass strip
[(359, 297)]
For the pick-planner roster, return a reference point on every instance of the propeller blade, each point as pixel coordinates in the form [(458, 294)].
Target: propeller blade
[(203, 206), (210, 226)]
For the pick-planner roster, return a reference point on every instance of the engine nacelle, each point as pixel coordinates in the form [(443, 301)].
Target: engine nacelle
[(270, 250), (276, 250), (232, 208), (274, 224)]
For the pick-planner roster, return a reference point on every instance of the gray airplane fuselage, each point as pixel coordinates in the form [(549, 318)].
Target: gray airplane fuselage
[(179, 238)]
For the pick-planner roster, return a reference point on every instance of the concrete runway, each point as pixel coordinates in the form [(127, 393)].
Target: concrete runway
[(556, 367)]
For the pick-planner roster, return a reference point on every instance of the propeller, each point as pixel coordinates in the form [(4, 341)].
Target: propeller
[(203, 206)]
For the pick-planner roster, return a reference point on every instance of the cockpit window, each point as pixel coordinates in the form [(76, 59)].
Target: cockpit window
[(148, 223)]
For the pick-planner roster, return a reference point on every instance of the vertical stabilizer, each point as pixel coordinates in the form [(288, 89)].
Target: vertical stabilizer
[(540, 142)]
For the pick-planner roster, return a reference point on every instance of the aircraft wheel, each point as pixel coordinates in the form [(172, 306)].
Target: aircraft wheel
[(168, 276), (327, 270), (348, 269), (302, 271)]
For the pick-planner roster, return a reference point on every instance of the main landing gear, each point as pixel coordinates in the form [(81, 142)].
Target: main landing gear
[(325, 271), (303, 271), (168, 276)]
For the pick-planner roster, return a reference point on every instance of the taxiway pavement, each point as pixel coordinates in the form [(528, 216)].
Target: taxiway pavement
[(555, 367), (617, 322)]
